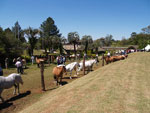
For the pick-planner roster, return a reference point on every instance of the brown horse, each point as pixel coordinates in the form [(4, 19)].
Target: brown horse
[(108, 59), (58, 73), (120, 57), (38, 60)]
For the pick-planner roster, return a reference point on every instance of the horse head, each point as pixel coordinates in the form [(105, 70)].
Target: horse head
[(18, 78)]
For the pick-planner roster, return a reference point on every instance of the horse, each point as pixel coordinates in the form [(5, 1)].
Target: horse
[(38, 60), (109, 59), (11, 80), (58, 73), (88, 64), (120, 57), (72, 66)]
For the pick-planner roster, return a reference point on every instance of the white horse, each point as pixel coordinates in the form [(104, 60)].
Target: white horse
[(88, 64), (71, 66), (11, 80)]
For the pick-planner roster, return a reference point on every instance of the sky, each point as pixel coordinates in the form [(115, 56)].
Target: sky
[(97, 18)]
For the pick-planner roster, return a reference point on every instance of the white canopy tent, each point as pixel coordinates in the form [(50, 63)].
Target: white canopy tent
[(147, 48)]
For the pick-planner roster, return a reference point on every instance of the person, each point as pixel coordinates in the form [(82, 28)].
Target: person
[(64, 60), (97, 59), (61, 59), (6, 63), (1, 70), (108, 54), (32, 59), (18, 65), (14, 60), (58, 60)]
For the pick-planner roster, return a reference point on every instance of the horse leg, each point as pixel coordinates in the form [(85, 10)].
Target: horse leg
[(60, 83), (38, 65), (57, 83), (70, 74), (15, 89), (0, 95), (2, 99), (18, 88)]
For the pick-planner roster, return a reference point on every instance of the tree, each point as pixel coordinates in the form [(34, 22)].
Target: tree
[(64, 40), (18, 32), (48, 29), (108, 40), (146, 30), (32, 35), (86, 41), (9, 46), (98, 43), (57, 43), (73, 38)]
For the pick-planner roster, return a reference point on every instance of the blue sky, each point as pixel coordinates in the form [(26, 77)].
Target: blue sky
[(88, 17)]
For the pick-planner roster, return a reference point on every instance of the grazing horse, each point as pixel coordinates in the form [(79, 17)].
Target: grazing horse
[(11, 80), (58, 73), (72, 66)]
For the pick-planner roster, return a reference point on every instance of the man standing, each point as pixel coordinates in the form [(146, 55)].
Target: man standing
[(32, 59), (18, 65), (6, 63)]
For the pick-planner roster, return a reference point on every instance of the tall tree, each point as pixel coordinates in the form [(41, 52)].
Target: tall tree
[(86, 41), (18, 32), (73, 38), (32, 35), (49, 29), (108, 40), (146, 30)]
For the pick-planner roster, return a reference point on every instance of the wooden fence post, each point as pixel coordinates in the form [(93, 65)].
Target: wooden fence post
[(42, 75), (103, 59), (49, 60), (84, 65)]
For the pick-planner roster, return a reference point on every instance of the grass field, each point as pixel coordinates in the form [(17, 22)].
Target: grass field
[(31, 89), (120, 87)]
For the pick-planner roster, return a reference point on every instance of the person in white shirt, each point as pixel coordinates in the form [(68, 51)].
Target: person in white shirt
[(32, 58), (18, 65), (108, 54)]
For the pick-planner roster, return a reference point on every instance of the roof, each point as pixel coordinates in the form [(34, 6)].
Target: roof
[(71, 47), (121, 48), (101, 49)]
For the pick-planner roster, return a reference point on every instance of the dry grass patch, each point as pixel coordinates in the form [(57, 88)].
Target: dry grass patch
[(120, 87)]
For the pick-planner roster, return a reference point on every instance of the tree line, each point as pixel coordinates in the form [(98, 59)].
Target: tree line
[(13, 41)]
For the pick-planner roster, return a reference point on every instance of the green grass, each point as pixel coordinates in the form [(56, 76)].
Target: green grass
[(120, 87)]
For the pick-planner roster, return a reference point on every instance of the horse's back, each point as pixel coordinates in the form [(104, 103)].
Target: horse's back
[(57, 71), (71, 66)]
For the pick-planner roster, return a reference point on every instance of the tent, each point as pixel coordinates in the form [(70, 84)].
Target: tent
[(147, 48)]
